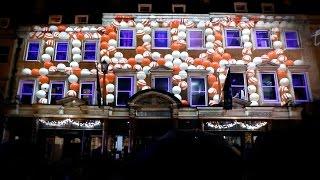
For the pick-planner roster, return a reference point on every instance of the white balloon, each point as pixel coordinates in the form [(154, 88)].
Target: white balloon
[(298, 62), (254, 103), (178, 96), (175, 54), (257, 60), (247, 45), (182, 27), (183, 74), (46, 57), (184, 55), (85, 72), (110, 98), (106, 58), (277, 44), (252, 89), (45, 87), (41, 94), (251, 66), (146, 69), (192, 67), (208, 31), (141, 75), (282, 67), (112, 42), (240, 62), (76, 43), (118, 55), (73, 78), (176, 90), (49, 50), (138, 58), (61, 67), (154, 24), (169, 64), (168, 57), (74, 64), (201, 24), (284, 82), (246, 32), (210, 70), (43, 71), (147, 30), (77, 57), (43, 101), (139, 26), (183, 66), (245, 38), (26, 71), (182, 35), (76, 50), (254, 97), (123, 24), (216, 98), (177, 62), (209, 45), (222, 78), (155, 56), (210, 38), (110, 88), (146, 38), (223, 63)]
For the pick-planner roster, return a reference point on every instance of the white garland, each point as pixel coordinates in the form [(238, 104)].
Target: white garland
[(91, 124), (242, 125)]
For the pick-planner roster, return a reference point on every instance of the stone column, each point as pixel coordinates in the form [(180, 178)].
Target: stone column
[(5, 132)]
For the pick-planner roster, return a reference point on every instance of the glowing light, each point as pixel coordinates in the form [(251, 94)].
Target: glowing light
[(88, 125), (247, 126)]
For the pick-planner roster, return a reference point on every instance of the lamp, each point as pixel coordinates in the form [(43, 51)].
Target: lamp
[(104, 69)]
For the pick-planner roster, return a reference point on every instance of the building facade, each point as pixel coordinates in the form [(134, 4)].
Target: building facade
[(83, 90)]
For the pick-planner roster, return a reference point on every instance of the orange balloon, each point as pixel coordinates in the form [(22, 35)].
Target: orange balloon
[(176, 69), (175, 46), (184, 103), (211, 79), (145, 62), (215, 65), (140, 50), (197, 61), (132, 61), (76, 71), (35, 72), (216, 57), (272, 55), (43, 79), (101, 81), (218, 36), (289, 62), (112, 35), (216, 85), (226, 56), (206, 63), (109, 29), (111, 77), (62, 28), (80, 36), (48, 64), (104, 45), (281, 74), (161, 61), (74, 86), (174, 24), (105, 37)]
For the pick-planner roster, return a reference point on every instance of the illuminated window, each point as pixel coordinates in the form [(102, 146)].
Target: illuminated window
[(89, 51), (292, 39), (62, 51), (197, 93), (161, 38), (33, 51), (195, 39), (26, 91), (262, 39), (87, 92), (233, 38), (238, 85), (300, 87), (126, 38), (125, 89), (162, 83), (269, 87), (57, 91), (81, 19), (55, 19)]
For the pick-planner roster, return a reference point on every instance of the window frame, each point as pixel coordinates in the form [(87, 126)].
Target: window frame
[(245, 84), (264, 5), (31, 81), (276, 87), (256, 39), (57, 82), (96, 51), (153, 84), (190, 90), (144, 5), (68, 50), (132, 90), (93, 82), (174, 6), (168, 38), (134, 38), (27, 50), (307, 87), (188, 39), (78, 18), (236, 9), (285, 39), (226, 38)]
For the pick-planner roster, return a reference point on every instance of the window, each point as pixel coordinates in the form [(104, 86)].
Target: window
[(161, 38), (269, 87), (87, 92), (89, 51), (162, 83), (126, 38), (262, 39), (292, 39), (4, 54), (125, 89), (195, 39), (55, 19), (178, 8), (144, 8), (81, 19), (197, 92), (33, 51), (26, 89), (300, 87), (56, 91), (267, 7), (233, 38), (62, 51), (240, 7), (238, 85)]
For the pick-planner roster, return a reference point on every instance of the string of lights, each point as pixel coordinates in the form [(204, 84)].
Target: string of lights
[(88, 125), (247, 126)]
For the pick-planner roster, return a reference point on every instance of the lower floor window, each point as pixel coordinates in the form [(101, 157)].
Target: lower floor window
[(125, 89), (198, 95), (300, 87), (87, 92), (56, 91), (26, 91)]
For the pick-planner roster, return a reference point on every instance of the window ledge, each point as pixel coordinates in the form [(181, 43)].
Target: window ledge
[(299, 68)]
